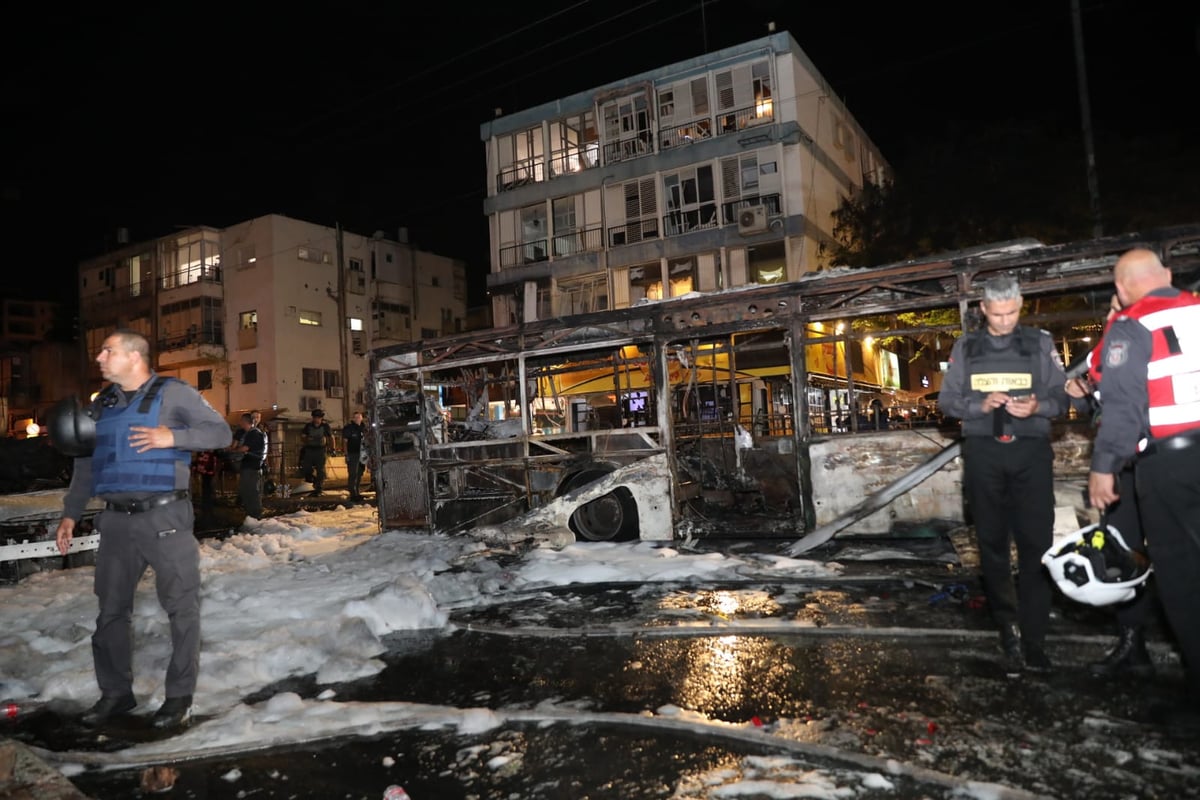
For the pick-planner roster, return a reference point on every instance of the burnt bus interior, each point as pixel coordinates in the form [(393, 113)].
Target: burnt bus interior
[(723, 392)]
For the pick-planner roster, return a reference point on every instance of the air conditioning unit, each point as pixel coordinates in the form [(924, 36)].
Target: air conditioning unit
[(336, 391), (752, 219)]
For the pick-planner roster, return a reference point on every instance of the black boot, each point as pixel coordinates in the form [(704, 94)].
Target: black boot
[(1010, 643), (1129, 656)]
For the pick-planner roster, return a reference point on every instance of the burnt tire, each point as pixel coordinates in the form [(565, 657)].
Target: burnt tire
[(610, 517)]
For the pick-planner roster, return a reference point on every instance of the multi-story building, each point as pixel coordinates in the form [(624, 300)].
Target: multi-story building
[(37, 365), (703, 175), (273, 313)]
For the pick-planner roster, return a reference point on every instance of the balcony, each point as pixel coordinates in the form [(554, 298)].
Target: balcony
[(570, 160), (530, 170), (685, 134), (633, 232), (190, 348), (729, 211), (580, 241), (628, 149), (676, 223), (524, 253)]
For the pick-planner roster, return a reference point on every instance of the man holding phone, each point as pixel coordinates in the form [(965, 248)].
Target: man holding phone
[(1006, 382)]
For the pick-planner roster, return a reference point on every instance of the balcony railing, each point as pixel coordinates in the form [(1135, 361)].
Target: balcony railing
[(531, 170), (628, 148), (686, 133), (581, 241), (696, 219), (632, 232), (524, 253), (180, 341), (742, 118), (574, 159), (730, 211)]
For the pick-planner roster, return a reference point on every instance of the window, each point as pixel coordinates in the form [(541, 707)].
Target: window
[(583, 296), (574, 144), (195, 257), (356, 265), (248, 320), (310, 379), (691, 200), (627, 127), (309, 317), (387, 257), (645, 283), (641, 213), (331, 377), (249, 373), (313, 254), (204, 380), (519, 158), (354, 323), (682, 276), (247, 256), (435, 281), (191, 322)]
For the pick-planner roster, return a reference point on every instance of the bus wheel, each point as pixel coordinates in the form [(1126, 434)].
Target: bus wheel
[(610, 517)]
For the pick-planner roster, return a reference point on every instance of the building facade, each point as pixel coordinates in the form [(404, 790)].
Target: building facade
[(704, 175), (273, 313)]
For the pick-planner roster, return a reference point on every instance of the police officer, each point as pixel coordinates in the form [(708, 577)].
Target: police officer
[(1151, 364), (1005, 382), (253, 447), (145, 425), (352, 441), (315, 436), (1129, 656)]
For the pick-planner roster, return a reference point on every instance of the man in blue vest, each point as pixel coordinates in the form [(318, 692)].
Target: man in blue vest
[(133, 449), (1006, 382)]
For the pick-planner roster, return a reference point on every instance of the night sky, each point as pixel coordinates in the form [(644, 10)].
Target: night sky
[(149, 116)]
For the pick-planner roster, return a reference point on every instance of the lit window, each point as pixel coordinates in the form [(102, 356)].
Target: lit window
[(355, 323), (309, 317)]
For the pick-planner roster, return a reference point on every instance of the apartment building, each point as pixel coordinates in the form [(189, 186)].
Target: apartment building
[(700, 176), (273, 313)]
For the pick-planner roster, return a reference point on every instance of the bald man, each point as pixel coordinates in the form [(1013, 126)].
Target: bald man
[(1151, 367)]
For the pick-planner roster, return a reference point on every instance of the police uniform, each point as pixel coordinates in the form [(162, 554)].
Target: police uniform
[(250, 472), (147, 521), (312, 452), (1151, 367), (1008, 472), (352, 441)]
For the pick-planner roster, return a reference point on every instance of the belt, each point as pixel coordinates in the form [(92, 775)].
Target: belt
[(138, 506), (1180, 441)]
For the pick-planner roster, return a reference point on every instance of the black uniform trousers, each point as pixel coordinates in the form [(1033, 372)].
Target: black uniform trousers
[(1010, 489), (160, 538), (1123, 515), (312, 465), (1168, 493)]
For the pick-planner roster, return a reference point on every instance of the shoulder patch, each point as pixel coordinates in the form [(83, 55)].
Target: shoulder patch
[(1117, 353)]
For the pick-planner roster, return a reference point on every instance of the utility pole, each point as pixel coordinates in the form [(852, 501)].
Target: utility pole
[(1085, 111), (343, 361)]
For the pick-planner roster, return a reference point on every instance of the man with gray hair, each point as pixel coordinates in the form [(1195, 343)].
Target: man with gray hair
[(1005, 382)]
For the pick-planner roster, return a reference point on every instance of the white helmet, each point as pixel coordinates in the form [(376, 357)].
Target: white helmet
[(1095, 566)]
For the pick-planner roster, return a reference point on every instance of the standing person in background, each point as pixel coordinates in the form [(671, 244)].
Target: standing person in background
[(204, 464), (352, 441), (253, 448), (1129, 655), (142, 427), (315, 437), (1151, 395), (1006, 382)]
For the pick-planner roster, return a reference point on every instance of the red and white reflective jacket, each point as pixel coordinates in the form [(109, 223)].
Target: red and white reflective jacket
[(1173, 374)]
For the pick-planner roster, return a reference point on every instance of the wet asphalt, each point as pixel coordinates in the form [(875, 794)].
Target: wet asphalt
[(892, 662)]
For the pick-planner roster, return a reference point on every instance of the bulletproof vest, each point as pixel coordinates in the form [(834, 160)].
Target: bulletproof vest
[(116, 465), (1014, 368)]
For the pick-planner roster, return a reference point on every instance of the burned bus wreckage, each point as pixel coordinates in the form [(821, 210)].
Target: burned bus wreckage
[(732, 414)]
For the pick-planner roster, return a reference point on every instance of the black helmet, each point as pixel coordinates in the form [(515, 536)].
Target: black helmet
[(72, 429)]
